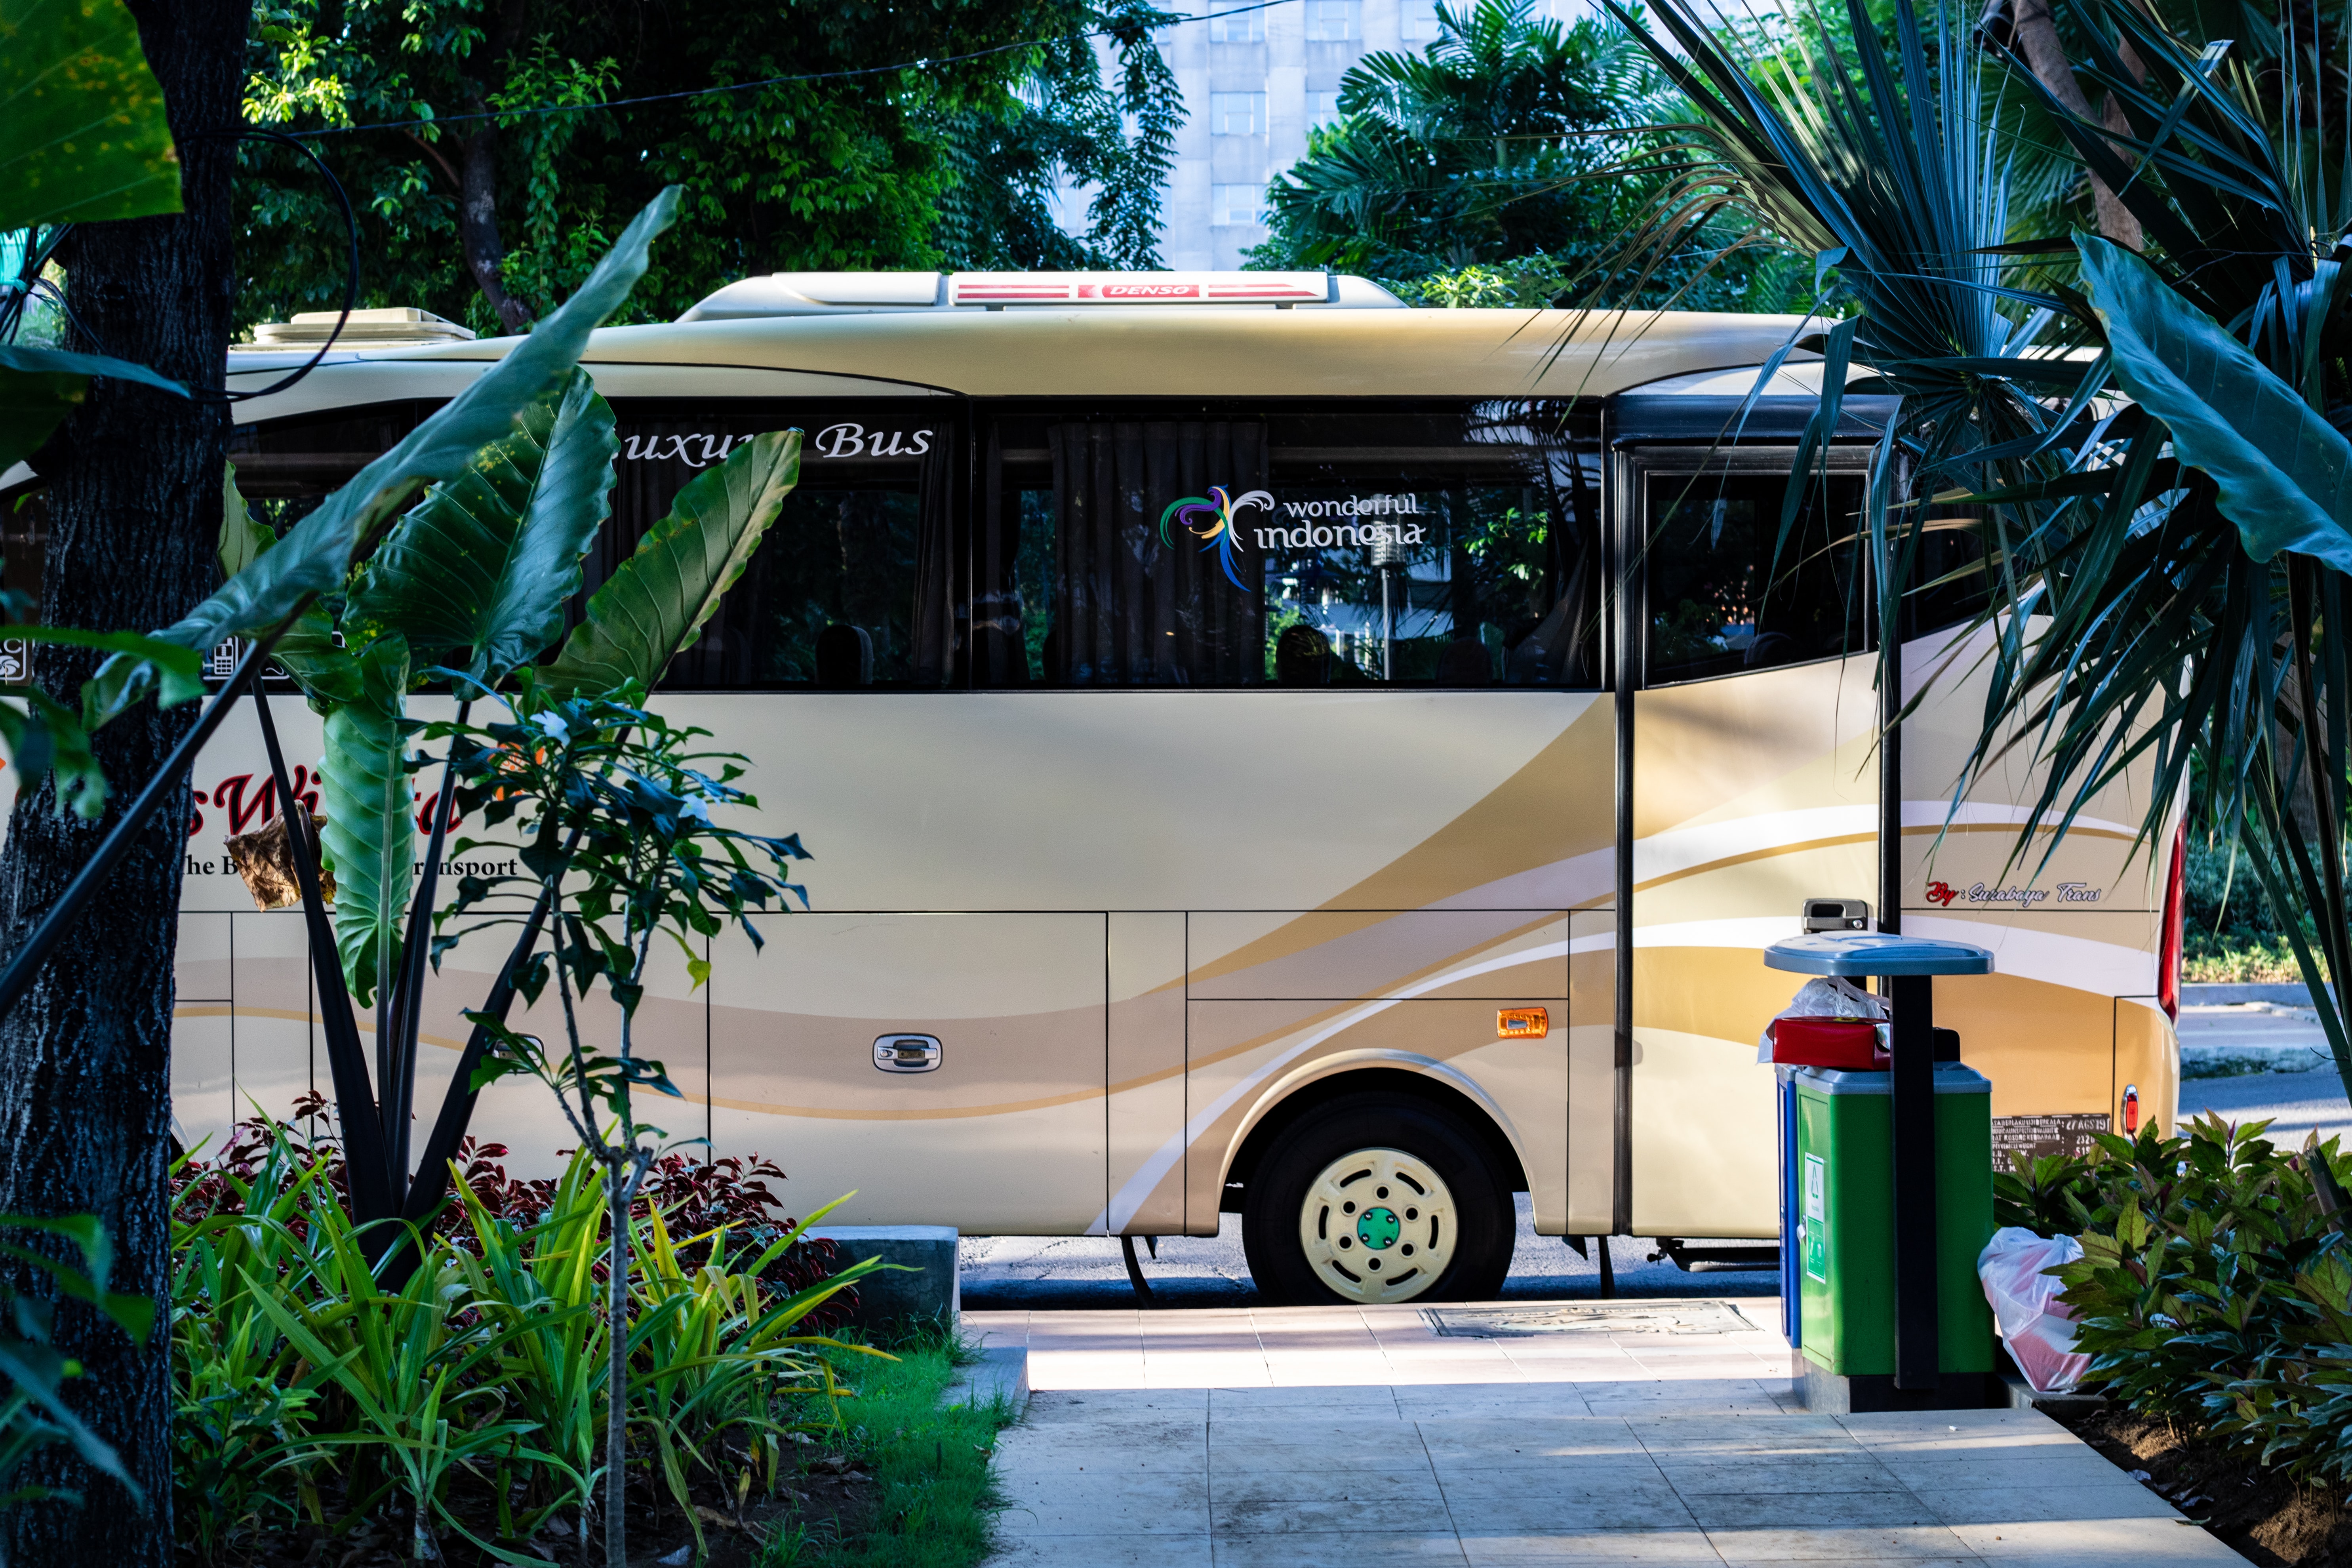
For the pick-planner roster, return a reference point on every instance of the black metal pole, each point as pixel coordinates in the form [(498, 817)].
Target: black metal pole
[(1913, 1047)]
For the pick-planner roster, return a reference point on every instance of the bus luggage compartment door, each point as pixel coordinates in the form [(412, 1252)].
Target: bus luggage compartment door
[(1005, 1135)]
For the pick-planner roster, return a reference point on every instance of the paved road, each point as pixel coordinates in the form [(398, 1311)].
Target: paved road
[(1044, 1272), (2296, 1103)]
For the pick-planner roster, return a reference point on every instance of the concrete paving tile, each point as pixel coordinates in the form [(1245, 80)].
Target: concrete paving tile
[(1471, 1490), (1503, 1440), (1856, 1471), (1826, 1542), (1517, 1509), (1343, 1549), (2152, 1543), (1591, 1549), (1090, 1504), (1282, 1503), (1238, 1403), (1259, 1446), (1484, 1401), (1056, 1407), (2120, 1498), (1806, 1510), (2080, 1465), (1121, 1550), (1172, 1445)]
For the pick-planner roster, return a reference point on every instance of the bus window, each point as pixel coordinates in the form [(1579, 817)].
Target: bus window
[(851, 588), (1720, 603), (1950, 580), (1445, 545)]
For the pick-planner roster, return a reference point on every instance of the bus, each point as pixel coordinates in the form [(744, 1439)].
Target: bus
[(1265, 752)]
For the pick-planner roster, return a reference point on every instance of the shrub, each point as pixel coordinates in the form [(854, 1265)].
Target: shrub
[(471, 1398), (2215, 1285)]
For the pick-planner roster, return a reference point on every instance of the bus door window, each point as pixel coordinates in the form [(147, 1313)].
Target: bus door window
[(858, 584), (1380, 545), (1727, 595)]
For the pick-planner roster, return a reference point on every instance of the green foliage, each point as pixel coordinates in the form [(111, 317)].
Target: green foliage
[(1501, 166), (951, 162), (32, 1415), (82, 136), (482, 568), (656, 602), (2215, 1285), (370, 835), (934, 1493), (2282, 473), (467, 1402)]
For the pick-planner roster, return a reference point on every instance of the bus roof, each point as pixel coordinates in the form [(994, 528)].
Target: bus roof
[(1100, 352)]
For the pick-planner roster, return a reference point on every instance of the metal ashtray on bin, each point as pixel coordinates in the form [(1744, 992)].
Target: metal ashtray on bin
[(1890, 1189)]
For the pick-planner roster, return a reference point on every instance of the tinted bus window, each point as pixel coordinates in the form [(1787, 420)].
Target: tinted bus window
[(854, 585), (1451, 546), (1726, 594)]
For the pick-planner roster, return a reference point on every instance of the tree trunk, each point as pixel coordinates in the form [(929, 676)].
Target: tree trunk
[(134, 512), (478, 224), (2035, 30)]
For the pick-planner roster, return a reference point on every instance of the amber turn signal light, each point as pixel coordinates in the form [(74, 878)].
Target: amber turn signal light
[(1522, 1022)]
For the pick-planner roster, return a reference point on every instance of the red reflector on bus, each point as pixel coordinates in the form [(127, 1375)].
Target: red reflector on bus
[(2131, 1109), (1522, 1022)]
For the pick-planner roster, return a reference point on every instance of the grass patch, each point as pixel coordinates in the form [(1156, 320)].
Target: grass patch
[(2235, 959), (931, 1501)]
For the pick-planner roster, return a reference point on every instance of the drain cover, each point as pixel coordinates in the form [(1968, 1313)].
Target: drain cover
[(1633, 1318)]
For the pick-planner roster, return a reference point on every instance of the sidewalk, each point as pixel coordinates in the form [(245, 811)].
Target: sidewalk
[(1660, 1433)]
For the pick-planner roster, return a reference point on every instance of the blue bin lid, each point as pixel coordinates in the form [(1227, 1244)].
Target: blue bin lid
[(1875, 952)]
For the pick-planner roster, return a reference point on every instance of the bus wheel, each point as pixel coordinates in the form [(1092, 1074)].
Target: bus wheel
[(1372, 1199)]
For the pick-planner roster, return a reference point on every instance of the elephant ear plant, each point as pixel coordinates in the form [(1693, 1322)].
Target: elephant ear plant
[(613, 806), (362, 601)]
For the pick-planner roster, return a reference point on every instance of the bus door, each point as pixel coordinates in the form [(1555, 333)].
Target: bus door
[(1751, 785)]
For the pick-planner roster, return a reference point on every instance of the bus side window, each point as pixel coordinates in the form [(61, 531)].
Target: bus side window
[(854, 586), (1726, 594), (1435, 545)]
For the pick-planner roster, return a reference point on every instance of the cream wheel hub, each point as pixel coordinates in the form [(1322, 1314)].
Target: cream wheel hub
[(1377, 1226)]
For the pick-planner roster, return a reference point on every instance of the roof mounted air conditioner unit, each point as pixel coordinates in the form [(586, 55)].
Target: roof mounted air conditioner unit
[(837, 293)]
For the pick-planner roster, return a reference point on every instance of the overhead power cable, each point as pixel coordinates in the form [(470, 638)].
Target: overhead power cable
[(925, 64)]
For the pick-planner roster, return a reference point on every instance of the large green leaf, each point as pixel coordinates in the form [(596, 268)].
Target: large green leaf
[(2284, 474), (243, 536), (369, 837), (38, 387), (82, 135), (656, 604), (316, 554), (487, 561)]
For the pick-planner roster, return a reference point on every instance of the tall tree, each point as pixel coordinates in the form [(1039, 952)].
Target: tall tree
[(1499, 165), (899, 136), (134, 509)]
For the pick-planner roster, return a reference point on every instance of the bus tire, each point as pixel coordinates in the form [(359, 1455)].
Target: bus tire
[(1374, 1198)]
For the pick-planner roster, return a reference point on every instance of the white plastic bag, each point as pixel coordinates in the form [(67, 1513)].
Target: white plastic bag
[(2038, 1328), (1826, 996)]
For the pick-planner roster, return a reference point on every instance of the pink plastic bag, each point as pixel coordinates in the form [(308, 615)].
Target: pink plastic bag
[(2038, 1328)]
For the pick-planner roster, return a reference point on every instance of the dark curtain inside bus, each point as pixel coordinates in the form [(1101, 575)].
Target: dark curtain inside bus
[(1446, 544), (859, 582), (1157, 583)]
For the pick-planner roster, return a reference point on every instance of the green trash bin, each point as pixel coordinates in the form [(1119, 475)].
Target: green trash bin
[(1845, 1210)]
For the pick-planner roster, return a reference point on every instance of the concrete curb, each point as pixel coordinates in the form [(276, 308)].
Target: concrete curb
[(1002, 1371), (2293, 994)]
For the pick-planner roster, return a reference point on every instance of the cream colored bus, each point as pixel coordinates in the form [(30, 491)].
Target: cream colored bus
[(1264, 752)]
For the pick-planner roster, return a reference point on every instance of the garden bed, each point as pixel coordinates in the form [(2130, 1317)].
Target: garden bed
[(2262, 1514)]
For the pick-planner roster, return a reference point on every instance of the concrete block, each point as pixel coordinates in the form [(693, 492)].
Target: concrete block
[(888, 1295), (1001, 1371)]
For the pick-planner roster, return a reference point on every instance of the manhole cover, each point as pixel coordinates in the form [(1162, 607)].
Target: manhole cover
[(1645, 1318)]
